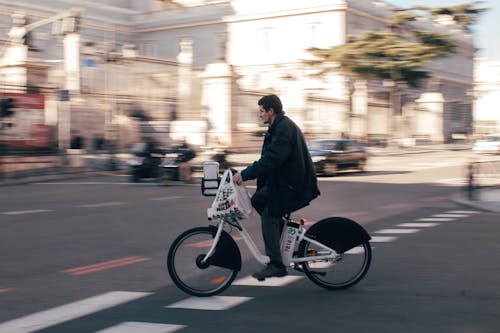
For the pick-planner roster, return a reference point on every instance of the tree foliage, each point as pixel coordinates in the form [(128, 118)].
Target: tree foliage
[(464, 15), (397, 54)]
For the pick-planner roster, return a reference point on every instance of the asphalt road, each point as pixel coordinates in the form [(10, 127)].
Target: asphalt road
[(89, 256)]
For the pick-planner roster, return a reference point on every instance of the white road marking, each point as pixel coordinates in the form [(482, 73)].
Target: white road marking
[(40, 320), (382, 239), (397, 231), (462, 211), (269, 282), (140, 327), (210, 303), (166, 198), (418, 225), (21, 212), (434, 219), (102, 204), (450, 215), (356, 250)]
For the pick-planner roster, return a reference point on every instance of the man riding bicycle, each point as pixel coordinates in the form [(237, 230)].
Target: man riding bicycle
[(286, 179)]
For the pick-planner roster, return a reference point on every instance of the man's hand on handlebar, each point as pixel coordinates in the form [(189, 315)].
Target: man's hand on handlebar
[(237, 179)]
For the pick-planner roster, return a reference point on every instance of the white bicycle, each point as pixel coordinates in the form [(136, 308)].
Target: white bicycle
[(334, 253)]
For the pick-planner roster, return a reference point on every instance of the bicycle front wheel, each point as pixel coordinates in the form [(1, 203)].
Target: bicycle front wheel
[(189, 272), (341, 272)]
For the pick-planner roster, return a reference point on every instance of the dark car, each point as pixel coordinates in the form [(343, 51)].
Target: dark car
[(145, 161), (331, 156)]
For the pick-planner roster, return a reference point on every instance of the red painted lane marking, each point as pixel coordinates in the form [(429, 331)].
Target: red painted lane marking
[(4, 290), (104, 265)]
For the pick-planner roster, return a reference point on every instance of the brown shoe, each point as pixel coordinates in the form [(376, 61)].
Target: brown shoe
[(271, 270)]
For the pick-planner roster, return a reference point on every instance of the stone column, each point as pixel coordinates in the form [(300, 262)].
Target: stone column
[(430, 115), (72, 61), (359, 113), (184, 74), (14, 61), (216, 100), (14, 71)]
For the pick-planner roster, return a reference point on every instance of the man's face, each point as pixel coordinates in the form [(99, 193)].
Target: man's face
[(266, 116)]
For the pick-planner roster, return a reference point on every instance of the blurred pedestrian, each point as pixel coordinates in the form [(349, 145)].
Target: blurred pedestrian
[(286, 179), (186, 154)]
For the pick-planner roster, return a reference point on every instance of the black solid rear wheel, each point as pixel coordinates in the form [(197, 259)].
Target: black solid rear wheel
[(344, 271), (189, 272)]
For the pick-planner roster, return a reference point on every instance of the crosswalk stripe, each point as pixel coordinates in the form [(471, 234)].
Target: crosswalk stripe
[(268, 282), (418, 225), (397, 231), (462, 211), (434, 219), (70, 311), (383, 239), (136, 327), (210, 303), (450, 215)]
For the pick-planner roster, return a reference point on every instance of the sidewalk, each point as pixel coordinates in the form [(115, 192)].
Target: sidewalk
[(487, 199)]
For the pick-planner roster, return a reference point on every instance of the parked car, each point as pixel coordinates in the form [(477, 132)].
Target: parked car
[(490, 144), (331, 156)]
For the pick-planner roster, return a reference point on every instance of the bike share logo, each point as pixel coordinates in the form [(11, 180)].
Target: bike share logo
[(290, 239)]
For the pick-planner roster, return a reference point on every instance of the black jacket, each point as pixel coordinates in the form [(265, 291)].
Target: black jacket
[(285, 167)]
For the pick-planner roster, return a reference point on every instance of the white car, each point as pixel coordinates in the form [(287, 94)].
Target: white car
[(488, 145)]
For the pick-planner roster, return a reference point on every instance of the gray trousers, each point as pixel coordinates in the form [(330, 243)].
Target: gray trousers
[(271, 226)]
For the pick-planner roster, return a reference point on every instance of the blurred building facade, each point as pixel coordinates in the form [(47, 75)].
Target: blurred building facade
[(487, 97), (195, 69)]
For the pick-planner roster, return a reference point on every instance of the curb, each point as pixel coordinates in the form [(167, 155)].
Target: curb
[(489, 206)]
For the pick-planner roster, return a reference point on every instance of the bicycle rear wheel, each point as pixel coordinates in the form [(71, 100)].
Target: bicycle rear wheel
[(340, 273), (189, 273)]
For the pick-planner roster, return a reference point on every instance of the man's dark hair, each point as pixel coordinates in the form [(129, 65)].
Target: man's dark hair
[(271, 101)]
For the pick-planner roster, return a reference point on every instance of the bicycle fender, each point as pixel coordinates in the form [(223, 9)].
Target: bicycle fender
[(339, 233), (227, 254)]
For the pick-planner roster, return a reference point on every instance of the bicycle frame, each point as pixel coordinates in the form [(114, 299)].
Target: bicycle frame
[(257, 254)]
